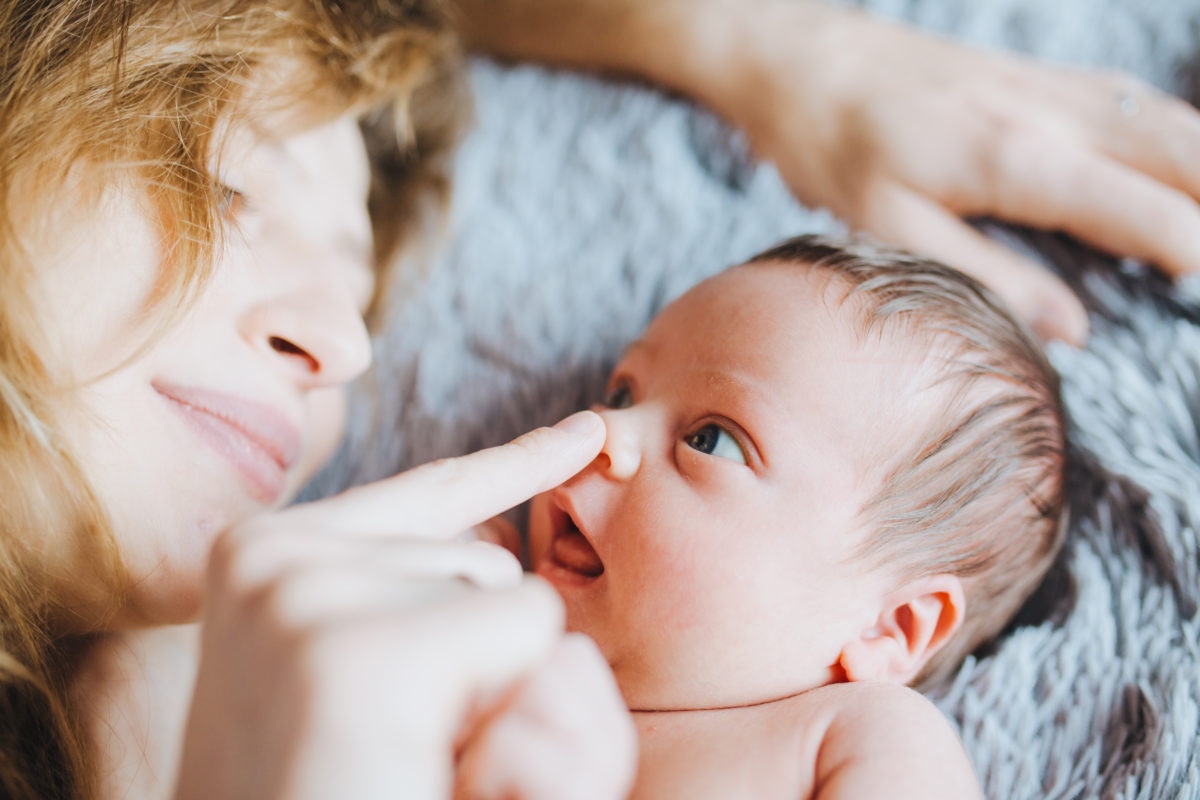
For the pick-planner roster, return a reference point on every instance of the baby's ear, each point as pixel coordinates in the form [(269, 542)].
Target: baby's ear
[(914, 623)]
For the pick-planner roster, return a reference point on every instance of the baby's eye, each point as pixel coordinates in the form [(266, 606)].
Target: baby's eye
[(714, 440), (620, 396)]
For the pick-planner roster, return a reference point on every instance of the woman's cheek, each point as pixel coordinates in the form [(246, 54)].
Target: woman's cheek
[(326, 425)]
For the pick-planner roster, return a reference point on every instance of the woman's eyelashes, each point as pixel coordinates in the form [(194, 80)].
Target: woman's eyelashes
[(713, 440), (231, 202)]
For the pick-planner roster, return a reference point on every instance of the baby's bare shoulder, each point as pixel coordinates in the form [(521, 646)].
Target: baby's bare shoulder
[(864, 703), (886, 740), (861, 706)]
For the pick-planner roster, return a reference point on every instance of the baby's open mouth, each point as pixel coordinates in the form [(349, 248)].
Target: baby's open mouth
[(571, 550)]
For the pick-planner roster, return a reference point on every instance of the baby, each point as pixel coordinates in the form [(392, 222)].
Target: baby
[(830, 473)]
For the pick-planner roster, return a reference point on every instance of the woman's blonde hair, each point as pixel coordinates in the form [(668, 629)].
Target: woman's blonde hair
[(136, 88)]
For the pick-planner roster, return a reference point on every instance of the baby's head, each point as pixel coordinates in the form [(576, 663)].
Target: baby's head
[(835, 462)]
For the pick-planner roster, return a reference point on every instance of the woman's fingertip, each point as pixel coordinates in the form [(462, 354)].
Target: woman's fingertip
[(1066, 323), (581, 423)]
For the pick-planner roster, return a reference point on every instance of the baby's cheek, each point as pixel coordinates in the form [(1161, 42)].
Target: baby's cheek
[(674, 588)]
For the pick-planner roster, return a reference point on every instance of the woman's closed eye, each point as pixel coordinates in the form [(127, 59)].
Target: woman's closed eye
[(230, 201), (713, 440)]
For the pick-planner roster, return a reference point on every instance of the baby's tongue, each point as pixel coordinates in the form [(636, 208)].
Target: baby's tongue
[(572, 551)]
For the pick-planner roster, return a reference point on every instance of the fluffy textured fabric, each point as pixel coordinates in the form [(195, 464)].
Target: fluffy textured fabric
[(583, 206)]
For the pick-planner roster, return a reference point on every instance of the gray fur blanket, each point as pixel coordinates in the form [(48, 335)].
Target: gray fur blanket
[(582, 206)]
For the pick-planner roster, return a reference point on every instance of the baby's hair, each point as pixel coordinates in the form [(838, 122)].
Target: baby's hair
[(96, 95), (979, 490)]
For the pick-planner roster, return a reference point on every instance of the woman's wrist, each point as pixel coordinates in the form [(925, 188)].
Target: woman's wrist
[(752, 62), (734, 51)]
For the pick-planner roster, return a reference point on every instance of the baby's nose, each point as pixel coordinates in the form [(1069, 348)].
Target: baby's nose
[(621, 456)]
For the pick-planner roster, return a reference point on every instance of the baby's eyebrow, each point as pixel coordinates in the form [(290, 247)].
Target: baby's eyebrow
[(740, 383), (640, 345)]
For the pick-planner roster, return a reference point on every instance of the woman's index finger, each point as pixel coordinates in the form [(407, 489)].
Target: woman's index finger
[(444, 498)]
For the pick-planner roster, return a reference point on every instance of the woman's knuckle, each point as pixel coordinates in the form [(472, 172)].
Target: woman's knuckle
[(443, 472), (244, 558), (532, 444), (230, 551), (280, 598), (1115, 80), (1177, 224)]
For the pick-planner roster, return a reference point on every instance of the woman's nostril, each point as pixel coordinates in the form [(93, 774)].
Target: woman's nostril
[(284, 346), (288, 348)]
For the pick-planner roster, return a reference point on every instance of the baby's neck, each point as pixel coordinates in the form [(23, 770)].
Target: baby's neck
[(741, 751)]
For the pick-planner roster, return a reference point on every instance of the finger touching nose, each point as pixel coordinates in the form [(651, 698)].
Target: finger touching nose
[(621, 456), (444, 498), (319, 337)]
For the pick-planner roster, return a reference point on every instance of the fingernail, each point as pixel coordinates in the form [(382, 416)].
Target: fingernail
[(580, 423), (1062, 324)]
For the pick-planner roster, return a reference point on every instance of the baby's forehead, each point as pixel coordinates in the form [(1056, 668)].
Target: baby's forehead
[(789, 303), (759, 290), (779, 314), (809, 339), (786, 289)]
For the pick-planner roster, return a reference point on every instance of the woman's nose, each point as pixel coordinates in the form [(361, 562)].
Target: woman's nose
[(316, 333), (621, 456)]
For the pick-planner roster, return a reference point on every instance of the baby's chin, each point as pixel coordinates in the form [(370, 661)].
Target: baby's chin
[(670, 689), (641, 696), (647, 689)]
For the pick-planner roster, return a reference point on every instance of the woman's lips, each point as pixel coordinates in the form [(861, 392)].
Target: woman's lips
[(258, 441)]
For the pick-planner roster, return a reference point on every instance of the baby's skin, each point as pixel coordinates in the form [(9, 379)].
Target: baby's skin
[(709, 551), (868, 739)]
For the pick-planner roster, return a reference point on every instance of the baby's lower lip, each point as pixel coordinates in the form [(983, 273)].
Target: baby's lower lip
[(572, 551)]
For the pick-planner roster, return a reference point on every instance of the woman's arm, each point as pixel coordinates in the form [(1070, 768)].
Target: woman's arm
[(702, 48), (901, 133)]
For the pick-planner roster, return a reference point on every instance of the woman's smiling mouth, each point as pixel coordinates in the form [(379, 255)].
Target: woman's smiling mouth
[(258, 441)]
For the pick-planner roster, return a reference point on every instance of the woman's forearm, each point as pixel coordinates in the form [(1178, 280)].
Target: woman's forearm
[(704, 48), (900, 132)]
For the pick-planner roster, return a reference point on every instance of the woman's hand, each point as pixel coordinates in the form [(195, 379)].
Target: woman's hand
[(563, 733), (901, 133), (346, 641)]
